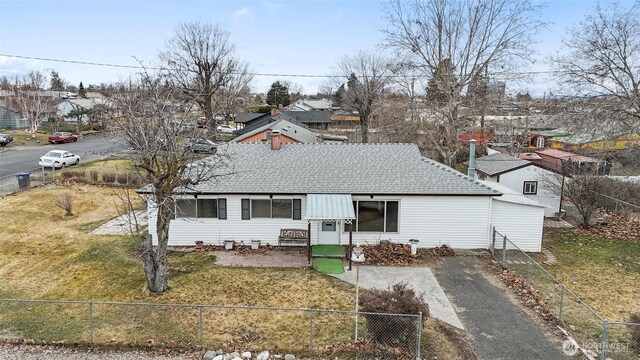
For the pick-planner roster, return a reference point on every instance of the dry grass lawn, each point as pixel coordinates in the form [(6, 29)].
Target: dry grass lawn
[(45, 255)]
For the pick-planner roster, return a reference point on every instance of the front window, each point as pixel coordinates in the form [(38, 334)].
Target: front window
[(375, 216), (530, 188), (272, 208)]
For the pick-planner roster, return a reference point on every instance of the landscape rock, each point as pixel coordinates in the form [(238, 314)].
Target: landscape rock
[(237, 358), (218, 357), (209, 355), (263, 356), (289, 357), (234, 355), (246, 355)]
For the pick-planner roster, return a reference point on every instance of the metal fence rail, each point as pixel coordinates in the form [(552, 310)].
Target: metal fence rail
[(596, 336), (252, 328)]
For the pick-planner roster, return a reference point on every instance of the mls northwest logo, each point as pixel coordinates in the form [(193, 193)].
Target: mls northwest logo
[(569, 348)]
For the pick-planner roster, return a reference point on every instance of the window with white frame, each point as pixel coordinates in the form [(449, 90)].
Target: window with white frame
[(201, 208), (375, 216), (530, 188)]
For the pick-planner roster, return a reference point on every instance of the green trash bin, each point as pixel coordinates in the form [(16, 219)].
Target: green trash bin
[(24, 179)]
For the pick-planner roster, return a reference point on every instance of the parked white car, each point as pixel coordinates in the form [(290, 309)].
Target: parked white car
[(59, 159), (225, 129)]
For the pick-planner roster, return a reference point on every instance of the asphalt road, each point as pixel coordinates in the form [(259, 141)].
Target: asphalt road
[(15, 159)]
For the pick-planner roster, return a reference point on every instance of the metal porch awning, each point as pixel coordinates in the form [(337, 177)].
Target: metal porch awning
[(330, 207)]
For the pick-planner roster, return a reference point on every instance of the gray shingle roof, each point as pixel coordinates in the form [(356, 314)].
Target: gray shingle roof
[(337, 168), (286, 128), (499, 163)]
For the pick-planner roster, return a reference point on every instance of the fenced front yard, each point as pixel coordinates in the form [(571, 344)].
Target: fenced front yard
[(284, 330)]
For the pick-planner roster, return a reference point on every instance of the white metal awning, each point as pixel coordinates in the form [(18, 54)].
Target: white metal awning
[(330, 207)]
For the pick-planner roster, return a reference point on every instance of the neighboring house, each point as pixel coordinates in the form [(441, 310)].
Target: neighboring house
[(543, 139), (571, 163), (65, 108), (290, 133), (313, 119), (372, 192), (523, 176), (508, 212), (310, 105), (242, 119), (596, 141), (10, 119), (251, 123)]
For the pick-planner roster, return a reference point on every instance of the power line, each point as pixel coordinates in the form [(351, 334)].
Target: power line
[(145, 67), (520, 73)]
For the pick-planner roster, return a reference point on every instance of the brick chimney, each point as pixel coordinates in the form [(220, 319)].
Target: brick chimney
[(275, 140), (273, 112)]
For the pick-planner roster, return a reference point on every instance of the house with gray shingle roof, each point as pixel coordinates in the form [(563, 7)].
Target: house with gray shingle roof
[(529, 178), (334, 194)]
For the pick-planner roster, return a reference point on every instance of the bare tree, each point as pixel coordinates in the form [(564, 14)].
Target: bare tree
[(603, 61), (452, 43), (580, 190), (201, 61), (154, 119), (64, 201), (366, 74), (30, 99), (295, 90), (235, 94)]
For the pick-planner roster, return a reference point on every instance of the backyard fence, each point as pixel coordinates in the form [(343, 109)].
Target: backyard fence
[(596, 337), (615, 204), (231, 328)]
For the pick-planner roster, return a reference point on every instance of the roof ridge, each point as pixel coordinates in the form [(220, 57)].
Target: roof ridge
[(457, 173)]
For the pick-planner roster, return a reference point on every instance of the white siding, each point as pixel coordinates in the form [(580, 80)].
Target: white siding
[(522, 224), (515, 179), (461, 222)]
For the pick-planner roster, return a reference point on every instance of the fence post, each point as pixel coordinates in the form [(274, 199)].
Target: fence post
[(200, 331), (493, 239), (419, 335), (605, 334), (310, 329), (504, 250), (528, 279), (90, 323), (561, 302)]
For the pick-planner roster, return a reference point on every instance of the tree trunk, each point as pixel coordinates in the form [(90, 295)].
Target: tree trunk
[(364, 129), (155, 260)]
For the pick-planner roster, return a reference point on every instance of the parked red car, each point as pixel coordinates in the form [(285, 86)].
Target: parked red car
[(202, 122), (62, 137)]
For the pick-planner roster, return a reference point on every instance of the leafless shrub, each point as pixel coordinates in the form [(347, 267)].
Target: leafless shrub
[(93, 175), (64, 201), (108, 178)]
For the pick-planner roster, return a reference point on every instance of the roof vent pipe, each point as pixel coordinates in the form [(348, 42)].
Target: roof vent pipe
[(275, 140), (471, 173)]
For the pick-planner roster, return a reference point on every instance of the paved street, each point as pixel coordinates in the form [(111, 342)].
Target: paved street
[(15, 159)]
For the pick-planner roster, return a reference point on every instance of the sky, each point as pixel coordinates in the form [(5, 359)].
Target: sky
[(274, 37)]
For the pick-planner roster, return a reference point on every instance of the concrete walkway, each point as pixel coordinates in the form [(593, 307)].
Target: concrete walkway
[(420, 279), (120, 225), (498, 328)]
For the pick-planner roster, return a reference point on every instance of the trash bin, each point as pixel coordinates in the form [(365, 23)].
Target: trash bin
[(24, 179)]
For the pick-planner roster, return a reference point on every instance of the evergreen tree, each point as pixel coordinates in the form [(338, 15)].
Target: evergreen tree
[(56, 84), (442, 84), (81, 91), (338, 96), (278, 94)]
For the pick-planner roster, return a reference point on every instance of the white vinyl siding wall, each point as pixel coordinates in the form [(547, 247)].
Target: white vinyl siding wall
[(462, 222), (522, 224), (515, 179)]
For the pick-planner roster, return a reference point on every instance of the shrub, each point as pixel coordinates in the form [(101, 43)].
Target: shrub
[(393, 330), (123, 178), (93, 175), (109, 178), (64, 201), (71, 174)]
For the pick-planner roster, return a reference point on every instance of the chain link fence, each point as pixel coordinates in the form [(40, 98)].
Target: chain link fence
[(596, 337), (314, 332)]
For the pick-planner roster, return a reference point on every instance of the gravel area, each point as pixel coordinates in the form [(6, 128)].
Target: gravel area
[(24, 352)]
